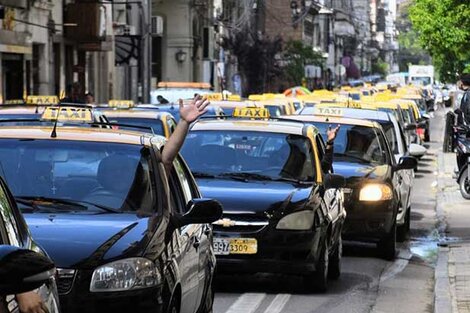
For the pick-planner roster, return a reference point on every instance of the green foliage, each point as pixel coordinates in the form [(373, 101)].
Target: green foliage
[(380, 67), (443, 27), (298, 55)]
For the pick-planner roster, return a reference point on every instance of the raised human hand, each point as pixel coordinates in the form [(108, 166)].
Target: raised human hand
[(193, 110)]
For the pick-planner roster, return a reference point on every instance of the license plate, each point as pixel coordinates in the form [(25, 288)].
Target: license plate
[(225, 246)]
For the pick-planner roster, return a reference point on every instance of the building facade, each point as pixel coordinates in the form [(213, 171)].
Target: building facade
[(183, 41)]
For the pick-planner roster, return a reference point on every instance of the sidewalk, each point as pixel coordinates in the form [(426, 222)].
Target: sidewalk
[(452, 275)]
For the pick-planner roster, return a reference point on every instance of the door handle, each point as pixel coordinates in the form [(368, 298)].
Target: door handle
[(196, 243)]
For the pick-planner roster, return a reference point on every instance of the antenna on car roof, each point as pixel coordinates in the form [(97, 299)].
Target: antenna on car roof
[(54, 129)]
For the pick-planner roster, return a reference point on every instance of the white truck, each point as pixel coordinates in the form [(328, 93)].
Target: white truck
[(421, 74)]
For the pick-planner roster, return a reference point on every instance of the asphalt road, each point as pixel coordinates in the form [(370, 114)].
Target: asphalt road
[(367, 283)]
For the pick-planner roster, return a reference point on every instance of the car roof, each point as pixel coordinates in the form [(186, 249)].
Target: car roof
[(334, 120), (139, 113), (242, 124), (21, 109), (80, 134)]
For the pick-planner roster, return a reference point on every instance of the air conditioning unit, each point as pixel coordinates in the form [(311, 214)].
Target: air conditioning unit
[(157, 26)]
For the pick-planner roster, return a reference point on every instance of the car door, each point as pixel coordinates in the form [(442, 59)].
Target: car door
[(406, 176), (333, 197), (204, 231), (188, 237)]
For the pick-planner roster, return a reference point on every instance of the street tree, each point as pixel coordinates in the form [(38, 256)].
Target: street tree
[(443, 29), (296, 56), (256, 57)]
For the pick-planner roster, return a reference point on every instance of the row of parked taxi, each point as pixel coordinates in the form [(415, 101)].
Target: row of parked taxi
[(126, 236)]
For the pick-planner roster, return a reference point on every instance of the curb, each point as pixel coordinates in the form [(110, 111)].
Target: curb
[(442, 294)]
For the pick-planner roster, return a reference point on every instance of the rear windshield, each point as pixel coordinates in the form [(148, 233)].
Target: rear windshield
[(154, 124)]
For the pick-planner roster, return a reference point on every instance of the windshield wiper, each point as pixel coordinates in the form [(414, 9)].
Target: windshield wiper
[(31, 201), (244, 176), (203, 175), (293, 180)]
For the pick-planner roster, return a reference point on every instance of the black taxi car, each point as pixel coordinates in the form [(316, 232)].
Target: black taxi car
[(282, 212), (24, 266), (124, 237), (373, 190), (124, 112)]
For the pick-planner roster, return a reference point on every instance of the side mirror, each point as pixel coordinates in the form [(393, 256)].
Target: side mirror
[(410, 126), (23, 270), (334, 181), (416, 150), (406, 163), (201, 211)]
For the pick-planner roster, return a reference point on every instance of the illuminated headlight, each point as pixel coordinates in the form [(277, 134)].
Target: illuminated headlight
[(375, 192), (127, 274), (302, 220)]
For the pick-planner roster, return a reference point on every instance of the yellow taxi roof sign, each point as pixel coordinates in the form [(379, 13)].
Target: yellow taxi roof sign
[(328, 111), (251, 112), (121, 103), (14, 101), (42, 100), (67, 114)]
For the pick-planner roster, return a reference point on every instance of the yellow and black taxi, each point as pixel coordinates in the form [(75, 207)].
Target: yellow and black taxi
[(283, 212), (124, 235), (127, 116), (378, 171), (30, 108), (41, 110), (24, 266)]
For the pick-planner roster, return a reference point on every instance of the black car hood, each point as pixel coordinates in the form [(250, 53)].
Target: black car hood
[(80, 241), (255, 197), (354, 172)]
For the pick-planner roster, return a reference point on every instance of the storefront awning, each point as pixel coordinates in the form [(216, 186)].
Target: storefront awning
[(16, 49)]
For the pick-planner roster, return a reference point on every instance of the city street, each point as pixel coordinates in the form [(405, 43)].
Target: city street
[(367, 283)]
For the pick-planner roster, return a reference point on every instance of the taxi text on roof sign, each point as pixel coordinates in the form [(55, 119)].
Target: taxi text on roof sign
[(14, 101), (251, 112), (44, 100), (72, 114), (328, 111), (121, 103)]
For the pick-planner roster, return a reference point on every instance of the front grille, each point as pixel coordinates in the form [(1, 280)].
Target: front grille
[(240, 223), (65, 281), (238, 229)]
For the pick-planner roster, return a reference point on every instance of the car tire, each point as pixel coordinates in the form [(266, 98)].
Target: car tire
[(387, 245), (404, 230), (464, 186), (334, 264), (173, 307), (318, 281)]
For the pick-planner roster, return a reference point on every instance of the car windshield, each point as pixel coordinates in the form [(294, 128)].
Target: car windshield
[(357, 143), (156, 125), (273, 155), (90, 174)]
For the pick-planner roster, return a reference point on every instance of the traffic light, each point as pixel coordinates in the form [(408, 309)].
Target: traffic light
[(2, 12)]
